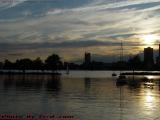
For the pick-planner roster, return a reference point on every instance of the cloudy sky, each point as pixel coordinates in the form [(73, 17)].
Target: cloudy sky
[(31, 28)]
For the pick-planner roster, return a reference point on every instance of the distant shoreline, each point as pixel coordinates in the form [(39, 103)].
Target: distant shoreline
[(58, 72)]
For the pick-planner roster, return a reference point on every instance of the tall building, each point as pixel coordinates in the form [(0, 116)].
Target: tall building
[(87, 58), (158, 57), (159, 50), (148, 57)]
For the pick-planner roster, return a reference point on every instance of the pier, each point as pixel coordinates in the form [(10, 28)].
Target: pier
[(141, 73)]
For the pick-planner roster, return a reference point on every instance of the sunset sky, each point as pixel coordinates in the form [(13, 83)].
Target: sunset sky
[(32, 28)]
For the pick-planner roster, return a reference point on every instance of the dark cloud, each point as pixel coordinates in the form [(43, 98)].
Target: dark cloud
[(70, 44)]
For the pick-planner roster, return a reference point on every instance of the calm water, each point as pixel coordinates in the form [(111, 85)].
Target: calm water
[(86, 95)]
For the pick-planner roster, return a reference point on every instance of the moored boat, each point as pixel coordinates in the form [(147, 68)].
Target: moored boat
[(114, 74), (121, 80)]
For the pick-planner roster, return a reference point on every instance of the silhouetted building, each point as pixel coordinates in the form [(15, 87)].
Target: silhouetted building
[(87, 58), (148, 57), (158, 57), (159, 49)]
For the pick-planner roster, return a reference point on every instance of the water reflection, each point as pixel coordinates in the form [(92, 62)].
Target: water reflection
[(149, 102), (145, 90), (32, 82), (147, 81), (87, 83), (53, 84), (148, 97), (151, 77), (88, 98), (121, 102)]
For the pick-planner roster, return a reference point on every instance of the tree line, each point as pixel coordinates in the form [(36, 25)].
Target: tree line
[(53, 62)]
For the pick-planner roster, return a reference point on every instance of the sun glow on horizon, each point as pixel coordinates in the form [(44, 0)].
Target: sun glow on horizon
[(149, 39)]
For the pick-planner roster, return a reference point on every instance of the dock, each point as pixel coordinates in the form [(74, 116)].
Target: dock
[(141, 73)]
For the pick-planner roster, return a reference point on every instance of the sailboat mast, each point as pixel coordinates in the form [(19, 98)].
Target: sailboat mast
[(121, 57)]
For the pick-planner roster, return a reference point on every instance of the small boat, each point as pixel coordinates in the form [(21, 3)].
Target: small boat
[(121, 80), (114, 74)]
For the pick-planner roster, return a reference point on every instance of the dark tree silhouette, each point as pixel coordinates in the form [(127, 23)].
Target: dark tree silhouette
[(53, 62), (38, 64), (8, 65), (1, 65), (24, 64)]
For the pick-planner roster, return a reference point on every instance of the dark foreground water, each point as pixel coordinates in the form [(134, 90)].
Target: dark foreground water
[(85, 95)]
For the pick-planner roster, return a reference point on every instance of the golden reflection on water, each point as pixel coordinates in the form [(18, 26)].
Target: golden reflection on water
[(148, 102), (150, 77), (149, 99)]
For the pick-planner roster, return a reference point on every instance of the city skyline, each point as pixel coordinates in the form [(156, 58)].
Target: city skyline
[(71, 28)]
